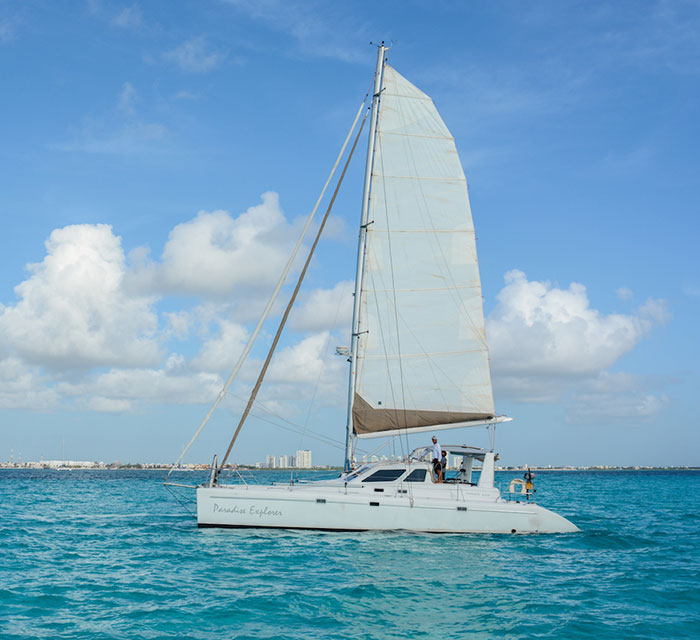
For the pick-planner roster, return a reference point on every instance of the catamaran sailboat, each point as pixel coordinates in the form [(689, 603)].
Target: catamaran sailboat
[(418, 355)]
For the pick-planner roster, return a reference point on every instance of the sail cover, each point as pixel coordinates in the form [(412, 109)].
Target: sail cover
[(422, 360)]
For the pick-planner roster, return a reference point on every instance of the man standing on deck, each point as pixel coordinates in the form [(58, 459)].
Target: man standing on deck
[(437, 457)]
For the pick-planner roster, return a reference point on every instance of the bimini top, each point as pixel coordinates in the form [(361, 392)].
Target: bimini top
[(463, 450)]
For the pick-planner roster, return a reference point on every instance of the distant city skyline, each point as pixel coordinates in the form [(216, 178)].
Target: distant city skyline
[(301, 460)]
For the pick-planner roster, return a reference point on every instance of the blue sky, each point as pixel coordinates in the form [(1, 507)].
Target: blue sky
[(158, 159)]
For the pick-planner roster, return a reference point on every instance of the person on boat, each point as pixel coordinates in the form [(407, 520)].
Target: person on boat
[(443, 464), (437, 456)]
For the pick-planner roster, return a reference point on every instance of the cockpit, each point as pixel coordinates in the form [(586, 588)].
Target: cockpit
[(462, 452)]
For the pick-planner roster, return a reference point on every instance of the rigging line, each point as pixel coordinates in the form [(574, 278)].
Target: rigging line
[(323, 366), (291, 426), (419, 180), (381, 446), (273, 297), (383, 340), (425, 216), (396, 313), (431, 364), (291, 301), (258, 405), (327, 441)]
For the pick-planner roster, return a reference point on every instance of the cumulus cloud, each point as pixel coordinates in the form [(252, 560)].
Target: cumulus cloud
[(93, 330), (541, 329), (121, 390), (215, 253), (222, 351), (546, 342), (616, 397), (194, 56), (73, 311), (22, 386), (325, 309), (303, 370), (301, 362)]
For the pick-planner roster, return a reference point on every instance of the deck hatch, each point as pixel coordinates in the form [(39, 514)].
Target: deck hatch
[(373, 504)]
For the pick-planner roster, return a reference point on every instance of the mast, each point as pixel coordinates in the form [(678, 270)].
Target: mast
[(361, 250)]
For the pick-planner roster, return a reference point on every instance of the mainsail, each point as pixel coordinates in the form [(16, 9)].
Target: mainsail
[(422, 358)]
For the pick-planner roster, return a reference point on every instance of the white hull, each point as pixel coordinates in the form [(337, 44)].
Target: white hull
[(333, 507)]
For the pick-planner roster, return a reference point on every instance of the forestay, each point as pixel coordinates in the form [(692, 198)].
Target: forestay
[(422, 359)]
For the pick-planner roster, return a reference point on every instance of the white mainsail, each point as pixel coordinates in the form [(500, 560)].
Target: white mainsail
[(422, 358)]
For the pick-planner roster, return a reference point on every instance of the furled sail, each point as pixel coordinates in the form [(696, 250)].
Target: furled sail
[(422, 359)]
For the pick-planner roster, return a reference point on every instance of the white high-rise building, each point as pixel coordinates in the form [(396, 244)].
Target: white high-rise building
[(271, 463), (284, 462), (303, 459)]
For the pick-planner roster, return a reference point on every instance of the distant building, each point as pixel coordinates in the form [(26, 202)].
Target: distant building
[(284, 462), (55, 464), (271, 463), (304, 459)]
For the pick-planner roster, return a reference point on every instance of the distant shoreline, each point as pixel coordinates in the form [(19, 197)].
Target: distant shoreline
[(149, 467)]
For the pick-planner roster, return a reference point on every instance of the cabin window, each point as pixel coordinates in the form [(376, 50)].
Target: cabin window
[(353, 476), (417, 475), (384, 475)]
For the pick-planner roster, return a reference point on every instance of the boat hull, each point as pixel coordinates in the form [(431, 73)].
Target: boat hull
[(281, 507)]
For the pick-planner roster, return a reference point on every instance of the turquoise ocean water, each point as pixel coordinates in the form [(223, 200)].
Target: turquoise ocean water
[(109, 554)]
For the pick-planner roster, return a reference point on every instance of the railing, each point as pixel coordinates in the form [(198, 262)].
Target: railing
[(516, 490), (238, 476)]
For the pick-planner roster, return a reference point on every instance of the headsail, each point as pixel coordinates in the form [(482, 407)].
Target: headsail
[(422, 359)]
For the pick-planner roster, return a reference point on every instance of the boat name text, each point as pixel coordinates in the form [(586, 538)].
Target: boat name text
[(252, 510)]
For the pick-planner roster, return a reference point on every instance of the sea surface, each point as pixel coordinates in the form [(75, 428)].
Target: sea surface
[(111, 554)]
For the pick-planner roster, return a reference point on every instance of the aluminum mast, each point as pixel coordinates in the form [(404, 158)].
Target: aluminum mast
[(361, 250)]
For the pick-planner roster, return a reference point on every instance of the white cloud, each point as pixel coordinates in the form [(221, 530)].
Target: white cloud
[(186, 95), (178, 324), (82, 311), (304, 370), (128, 17), (122, 390), (193, 56), (691, 290), (615, 397), (22, 386), (221, 352), (302, 362), (548, 342), (215, 254), (121, 131), (540, 329), (126, 99), (7, 30), (623, 293), (308, 24), (73, 311), (324, 309)]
